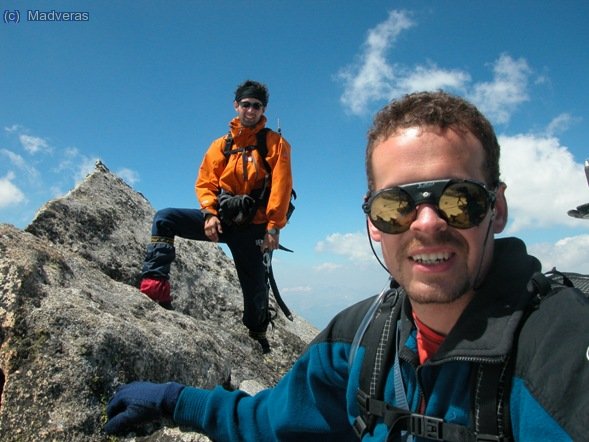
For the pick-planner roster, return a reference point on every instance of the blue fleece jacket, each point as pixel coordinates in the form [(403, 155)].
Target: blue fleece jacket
[(316, 399)]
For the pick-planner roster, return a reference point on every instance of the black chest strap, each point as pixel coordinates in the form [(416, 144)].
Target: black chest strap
[(261, 146), (399, 420)]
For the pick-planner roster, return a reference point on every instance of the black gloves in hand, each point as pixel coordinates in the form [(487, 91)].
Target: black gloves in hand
[(236, 209), (139, 403)]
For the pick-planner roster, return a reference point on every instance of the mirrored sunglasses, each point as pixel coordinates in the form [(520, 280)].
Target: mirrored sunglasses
[(461, 203), (248, 104)]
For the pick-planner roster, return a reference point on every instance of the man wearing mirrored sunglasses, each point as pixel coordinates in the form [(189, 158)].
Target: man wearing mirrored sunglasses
[(244, 198), (453, 350)]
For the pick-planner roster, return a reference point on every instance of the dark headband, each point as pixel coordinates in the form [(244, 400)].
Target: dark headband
[(251, 92)]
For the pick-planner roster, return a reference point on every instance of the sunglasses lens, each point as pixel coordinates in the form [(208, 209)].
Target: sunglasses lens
[(247, 105), (464, 205), (392, 211)]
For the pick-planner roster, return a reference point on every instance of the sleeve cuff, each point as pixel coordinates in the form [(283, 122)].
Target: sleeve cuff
[(190, 407)]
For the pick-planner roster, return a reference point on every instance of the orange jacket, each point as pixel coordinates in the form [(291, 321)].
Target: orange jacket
[(218, 172)]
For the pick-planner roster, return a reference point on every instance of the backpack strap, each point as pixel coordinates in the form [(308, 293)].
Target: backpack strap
[(262, 147), (376, 360), (491, 401)]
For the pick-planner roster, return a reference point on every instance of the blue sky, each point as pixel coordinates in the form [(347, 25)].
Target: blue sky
[(146, 85)]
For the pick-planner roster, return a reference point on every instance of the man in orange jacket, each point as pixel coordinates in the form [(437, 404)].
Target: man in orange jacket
[(244, 199)]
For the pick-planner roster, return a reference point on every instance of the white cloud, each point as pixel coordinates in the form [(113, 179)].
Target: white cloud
[(327, 267), (12, 129), (372, 77), (353, 246), (543, 182), (560, 124), (33, 145), (432, 78), (499, 98), (569, 254), (9, 193), (128, 175), (19, 162), (14, 158)]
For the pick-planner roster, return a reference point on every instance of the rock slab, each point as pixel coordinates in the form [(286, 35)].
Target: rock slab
[(74, 326)]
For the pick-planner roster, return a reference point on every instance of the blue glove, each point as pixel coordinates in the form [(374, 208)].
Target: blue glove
[(139, 403)]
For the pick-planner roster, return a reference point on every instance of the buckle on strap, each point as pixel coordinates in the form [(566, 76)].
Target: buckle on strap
[(425, 426), (362, 399), (359, 427), (370, 405), (370, 408)]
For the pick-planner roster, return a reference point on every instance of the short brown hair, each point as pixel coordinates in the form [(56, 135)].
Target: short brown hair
[(440, 109)]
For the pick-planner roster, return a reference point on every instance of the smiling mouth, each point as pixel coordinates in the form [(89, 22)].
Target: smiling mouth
[(431, 258)]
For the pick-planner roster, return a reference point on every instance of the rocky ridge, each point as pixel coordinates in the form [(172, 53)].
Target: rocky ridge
[(74, 326)]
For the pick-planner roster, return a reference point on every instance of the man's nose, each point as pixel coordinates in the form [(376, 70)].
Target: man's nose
[(428, 219)]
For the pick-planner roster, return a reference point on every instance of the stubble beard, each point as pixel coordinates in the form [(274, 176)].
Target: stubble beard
[(438, 293), (440, 290)]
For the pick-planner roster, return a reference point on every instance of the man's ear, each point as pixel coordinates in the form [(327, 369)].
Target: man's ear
[(375, 234), (235, 105), (500, 210)]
